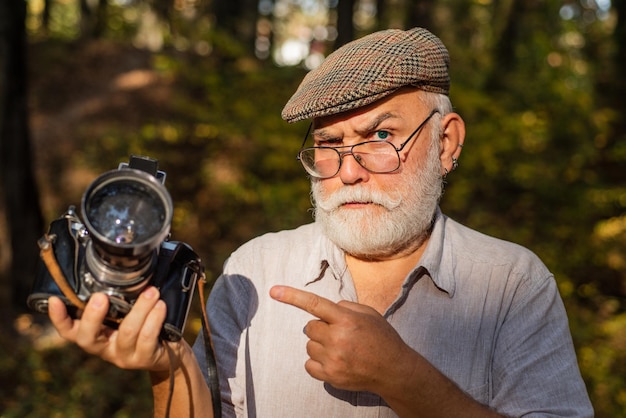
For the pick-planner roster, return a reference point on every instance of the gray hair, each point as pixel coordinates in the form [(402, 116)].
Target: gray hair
[(442, 103)]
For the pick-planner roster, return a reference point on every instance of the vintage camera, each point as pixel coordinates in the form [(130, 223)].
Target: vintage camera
[(119, 248)]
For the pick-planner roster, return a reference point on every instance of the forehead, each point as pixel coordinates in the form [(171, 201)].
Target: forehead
[(405, 104)]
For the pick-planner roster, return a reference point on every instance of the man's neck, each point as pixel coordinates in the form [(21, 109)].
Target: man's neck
[(378, 282)]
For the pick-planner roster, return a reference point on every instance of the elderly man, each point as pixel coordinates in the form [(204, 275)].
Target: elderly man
[(383, 306)]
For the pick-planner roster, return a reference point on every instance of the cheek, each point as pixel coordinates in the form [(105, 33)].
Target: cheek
[(319, 189), (327, 186), (424, 159)]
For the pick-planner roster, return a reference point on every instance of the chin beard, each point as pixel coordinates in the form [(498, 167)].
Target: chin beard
[(393, 221)]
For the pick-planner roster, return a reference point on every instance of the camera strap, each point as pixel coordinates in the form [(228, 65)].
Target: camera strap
[(47, 255), (213, 382)]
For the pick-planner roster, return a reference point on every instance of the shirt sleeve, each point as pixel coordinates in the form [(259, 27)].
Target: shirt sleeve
[(535, 371), (228, 307)]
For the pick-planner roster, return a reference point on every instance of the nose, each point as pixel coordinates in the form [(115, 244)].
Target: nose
[(351, 172)]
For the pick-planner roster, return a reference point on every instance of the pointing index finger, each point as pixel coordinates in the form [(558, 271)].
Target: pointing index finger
[(318, 306)]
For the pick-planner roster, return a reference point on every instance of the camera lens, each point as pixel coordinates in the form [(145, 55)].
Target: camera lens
[(127, 213)]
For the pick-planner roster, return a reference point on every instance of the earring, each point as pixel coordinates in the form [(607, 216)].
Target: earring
[(455, 163)]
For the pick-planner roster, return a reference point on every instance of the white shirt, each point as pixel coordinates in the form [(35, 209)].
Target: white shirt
[(485, 312)]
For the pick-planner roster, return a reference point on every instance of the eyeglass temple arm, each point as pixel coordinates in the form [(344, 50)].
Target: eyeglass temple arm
[(306, 136)]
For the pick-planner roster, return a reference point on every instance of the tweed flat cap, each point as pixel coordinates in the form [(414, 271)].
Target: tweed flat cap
[(368, 69)]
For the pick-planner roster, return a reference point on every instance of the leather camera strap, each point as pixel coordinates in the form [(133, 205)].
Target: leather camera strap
[(47, 255), (214, 383)]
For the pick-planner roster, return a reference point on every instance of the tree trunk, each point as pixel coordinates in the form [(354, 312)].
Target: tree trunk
[(504, 49), (45, 15), (93, 19), (19, 191), (420, 14), (100, 24), (381, 15), (345, 27), (619, 39), (615, 92), (238, 19)]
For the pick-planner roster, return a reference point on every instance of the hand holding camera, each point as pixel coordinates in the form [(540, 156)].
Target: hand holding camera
[(119, 249), (134, 345)]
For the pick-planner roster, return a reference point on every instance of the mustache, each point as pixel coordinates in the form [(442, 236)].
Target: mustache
[(354, 194)]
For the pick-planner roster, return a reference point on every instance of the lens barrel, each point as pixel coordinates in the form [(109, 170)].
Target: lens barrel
[(127, 213)]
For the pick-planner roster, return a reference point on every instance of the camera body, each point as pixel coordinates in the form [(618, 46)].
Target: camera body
[(119, 248)]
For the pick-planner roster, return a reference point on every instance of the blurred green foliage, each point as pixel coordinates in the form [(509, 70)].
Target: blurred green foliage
[(66, 382), (541, 167)]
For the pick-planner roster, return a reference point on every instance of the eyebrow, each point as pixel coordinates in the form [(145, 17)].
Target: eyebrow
[(375, 123), (323, 134)]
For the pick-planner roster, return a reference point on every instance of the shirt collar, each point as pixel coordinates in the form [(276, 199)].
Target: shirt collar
[(436, 260)]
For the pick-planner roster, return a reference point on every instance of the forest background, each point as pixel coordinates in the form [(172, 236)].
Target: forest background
[(199, 85)]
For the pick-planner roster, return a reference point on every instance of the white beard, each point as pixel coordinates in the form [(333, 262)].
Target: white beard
[(398, 219)]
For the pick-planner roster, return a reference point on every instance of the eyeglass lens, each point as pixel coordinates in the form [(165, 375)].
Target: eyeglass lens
[(374, 156)]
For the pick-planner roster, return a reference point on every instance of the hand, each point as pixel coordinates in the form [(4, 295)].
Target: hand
[(351, 345), (135, 345)]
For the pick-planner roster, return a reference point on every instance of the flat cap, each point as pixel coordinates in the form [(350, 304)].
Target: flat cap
[(370, 68)]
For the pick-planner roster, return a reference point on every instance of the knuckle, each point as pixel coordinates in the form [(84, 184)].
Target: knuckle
[(87, 345), (82, 341), (126, 331), (123, 363), (313, 303), (63, 331)]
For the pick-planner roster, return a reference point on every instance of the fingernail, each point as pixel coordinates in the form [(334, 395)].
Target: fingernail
[(97, 300), (277, 292), (150, 292), (52, 306)]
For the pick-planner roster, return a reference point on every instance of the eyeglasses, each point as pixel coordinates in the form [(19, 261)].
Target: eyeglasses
[(378, 156)]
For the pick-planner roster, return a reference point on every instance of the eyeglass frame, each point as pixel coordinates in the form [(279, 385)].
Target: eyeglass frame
[(341, 154)]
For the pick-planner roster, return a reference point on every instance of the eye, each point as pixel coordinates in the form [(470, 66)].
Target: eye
[(331, 142), (381, 135)]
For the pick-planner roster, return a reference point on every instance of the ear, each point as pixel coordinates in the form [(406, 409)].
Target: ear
[(452, 139)]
